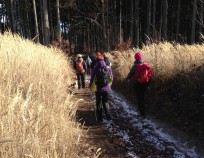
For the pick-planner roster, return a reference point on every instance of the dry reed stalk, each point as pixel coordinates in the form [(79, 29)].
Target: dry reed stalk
[(37, 112)]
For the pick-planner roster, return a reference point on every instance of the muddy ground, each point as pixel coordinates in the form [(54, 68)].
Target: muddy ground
[(106, 141), (99, 141)]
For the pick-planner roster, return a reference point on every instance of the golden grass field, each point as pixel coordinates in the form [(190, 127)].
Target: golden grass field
[(37, 115)]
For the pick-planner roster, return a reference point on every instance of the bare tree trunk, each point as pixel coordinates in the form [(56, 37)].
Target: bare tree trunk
[(201, 19), (120, 32), (108, 28), (104, 25), (88, 38), (28, 22), (193, 21), (148, 18), (137, 32), (22, 14), (164, 19), (46, 24), (94, 37), (52, 34), (58, 22), (13, 28), (178, 20), (153, 20), (25, 23), (19, 30), (131, 20), (36, 22), (114, 24), (41, 23)]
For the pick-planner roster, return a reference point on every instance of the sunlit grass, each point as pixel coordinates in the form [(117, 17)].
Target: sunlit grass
[(176, 67), (36, 112), (166, 59)]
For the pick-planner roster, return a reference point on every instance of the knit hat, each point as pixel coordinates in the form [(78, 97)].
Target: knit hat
[(98, 54), (138, 56)]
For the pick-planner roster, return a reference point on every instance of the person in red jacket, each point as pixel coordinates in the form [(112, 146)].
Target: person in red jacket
[(81, 68), (142, 74)]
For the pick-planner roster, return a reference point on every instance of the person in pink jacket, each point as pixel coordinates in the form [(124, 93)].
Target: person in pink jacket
[(142, 74)]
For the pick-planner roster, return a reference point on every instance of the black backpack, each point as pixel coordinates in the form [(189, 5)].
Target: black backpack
[(102, 77), (107, 61)]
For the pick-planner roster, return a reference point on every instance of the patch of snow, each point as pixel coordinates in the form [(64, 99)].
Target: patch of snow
[(149, 129), (76, 84)]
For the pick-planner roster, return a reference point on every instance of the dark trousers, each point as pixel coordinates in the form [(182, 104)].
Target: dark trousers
[(102, 97), (81, 80), (140, 89), (88, 70)]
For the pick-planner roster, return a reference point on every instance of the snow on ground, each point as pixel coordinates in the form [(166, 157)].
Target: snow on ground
[(149, 129)]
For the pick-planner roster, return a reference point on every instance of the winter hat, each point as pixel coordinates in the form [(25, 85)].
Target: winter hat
[(138, 56), (79, 56), (98, 54)]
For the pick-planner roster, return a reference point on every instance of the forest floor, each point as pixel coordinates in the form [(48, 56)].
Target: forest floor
[(127, 135)]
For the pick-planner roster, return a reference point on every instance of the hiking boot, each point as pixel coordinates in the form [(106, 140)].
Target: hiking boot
[(99, 120), (143, 116), (108, 117)]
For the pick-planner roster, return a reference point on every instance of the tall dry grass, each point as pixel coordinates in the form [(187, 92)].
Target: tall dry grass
[(178, 69), (166, 59), (36, 112)]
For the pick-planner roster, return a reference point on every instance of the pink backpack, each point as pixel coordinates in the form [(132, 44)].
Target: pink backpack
[(143, 73)]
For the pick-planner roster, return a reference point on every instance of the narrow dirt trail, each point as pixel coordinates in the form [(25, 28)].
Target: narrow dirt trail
[(126, 135), (98, 140)]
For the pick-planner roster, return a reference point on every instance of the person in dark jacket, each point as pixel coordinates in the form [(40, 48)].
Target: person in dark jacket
[(88, 64), (106, 59), (81, 68), (103, 86), (140, 87)]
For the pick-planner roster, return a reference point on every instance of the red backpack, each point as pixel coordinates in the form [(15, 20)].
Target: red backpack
[(143, 73), (79, 67)]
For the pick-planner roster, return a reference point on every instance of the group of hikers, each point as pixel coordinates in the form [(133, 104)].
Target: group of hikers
[(102, 78)]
